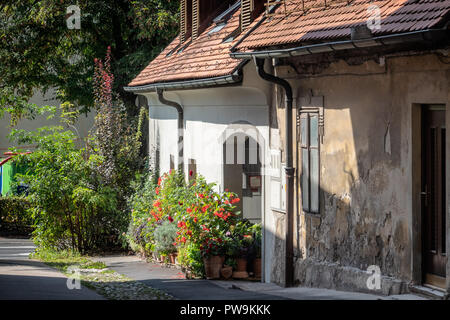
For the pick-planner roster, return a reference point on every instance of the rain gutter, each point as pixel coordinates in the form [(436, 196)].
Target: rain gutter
[(234, 78), (290, 170), (414, 36), (180, 111)]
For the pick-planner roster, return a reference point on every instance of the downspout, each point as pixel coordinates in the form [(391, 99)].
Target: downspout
[(180, 110), (290, 170)]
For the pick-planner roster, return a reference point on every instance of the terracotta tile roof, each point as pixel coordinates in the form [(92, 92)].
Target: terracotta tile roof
[(205, 57), (310, 21)]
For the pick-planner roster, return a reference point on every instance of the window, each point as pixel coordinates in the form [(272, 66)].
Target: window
[(310, 152)]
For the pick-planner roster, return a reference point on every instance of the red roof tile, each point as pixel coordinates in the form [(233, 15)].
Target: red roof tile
[(206, 57), (319, 23), (309, 21)]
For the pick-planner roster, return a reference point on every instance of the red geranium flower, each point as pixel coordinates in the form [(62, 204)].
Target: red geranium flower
[(191, 173), (235, 200), (157, 190), (188, 210), (170, 218)]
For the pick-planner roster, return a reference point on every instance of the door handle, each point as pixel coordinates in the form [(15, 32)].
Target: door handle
[(425, 195)]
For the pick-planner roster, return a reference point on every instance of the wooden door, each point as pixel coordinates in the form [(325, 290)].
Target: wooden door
[(434, 194)]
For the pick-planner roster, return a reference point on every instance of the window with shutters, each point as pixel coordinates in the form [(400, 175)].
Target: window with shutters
[(310, 161)]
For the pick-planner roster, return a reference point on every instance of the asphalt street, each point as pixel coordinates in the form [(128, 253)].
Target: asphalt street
[(25, 279)]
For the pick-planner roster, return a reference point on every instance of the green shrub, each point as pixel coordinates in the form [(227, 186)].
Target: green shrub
[(71, 209), (140, 234), (14, 215), (165, 236)]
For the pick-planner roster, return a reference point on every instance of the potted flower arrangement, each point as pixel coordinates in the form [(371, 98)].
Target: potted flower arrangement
[(242, 241), (205, 223)]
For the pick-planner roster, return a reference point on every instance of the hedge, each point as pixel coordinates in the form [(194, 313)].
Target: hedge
[(14, 218)]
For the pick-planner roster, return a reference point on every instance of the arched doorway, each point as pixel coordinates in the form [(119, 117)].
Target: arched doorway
[(242, 171)]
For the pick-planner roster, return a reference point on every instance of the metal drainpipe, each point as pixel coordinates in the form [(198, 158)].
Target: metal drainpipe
[(180, 126), (290, 170)]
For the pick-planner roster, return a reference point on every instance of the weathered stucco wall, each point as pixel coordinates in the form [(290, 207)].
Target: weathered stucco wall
[(366, 170)]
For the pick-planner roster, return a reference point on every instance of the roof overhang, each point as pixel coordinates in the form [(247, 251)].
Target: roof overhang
[(232, 79), (401, 38)]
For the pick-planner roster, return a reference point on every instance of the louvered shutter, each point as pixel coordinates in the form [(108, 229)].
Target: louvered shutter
[(246, 13), (195, 18), (183, 26)]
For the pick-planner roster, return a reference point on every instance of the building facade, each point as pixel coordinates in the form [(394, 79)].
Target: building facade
[(348, 102)]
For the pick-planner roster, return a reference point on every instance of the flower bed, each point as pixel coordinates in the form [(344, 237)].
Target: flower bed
[(193, 221)]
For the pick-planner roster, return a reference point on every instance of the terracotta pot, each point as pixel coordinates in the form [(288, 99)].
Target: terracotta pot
[(213, 265), (241, 264), (241, 269), (162, 258), (172, 258), (226, 272), (257, 268)]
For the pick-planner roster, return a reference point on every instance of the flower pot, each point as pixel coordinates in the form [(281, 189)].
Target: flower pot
[(226, 272), (257, 268), (172, 257), (241, 269), (213, 265), (162, 258), (241, 264)]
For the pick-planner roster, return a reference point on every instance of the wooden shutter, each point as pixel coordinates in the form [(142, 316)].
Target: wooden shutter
[(246, 13), (183, 27), (195, 19)]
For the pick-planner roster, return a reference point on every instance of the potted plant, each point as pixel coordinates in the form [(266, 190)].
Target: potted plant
[(256, 250), (213, 258), (242, 240), (165, 236), (227, 270)]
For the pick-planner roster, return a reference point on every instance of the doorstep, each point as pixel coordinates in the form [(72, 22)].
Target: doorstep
[(429, 291)]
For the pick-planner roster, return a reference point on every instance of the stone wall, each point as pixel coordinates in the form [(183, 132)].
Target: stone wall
[(367, 201)]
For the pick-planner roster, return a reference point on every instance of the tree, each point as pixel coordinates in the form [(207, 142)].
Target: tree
[(39, 51)]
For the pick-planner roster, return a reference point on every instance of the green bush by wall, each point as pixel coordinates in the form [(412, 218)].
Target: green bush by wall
[(14, 216)]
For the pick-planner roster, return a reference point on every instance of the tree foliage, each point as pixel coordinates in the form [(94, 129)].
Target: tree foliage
[(38, 50), (71, 210)]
